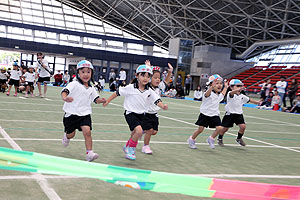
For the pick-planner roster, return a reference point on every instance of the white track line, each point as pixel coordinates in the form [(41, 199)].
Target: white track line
[(247, 176), (41, 180), (154, 142), (33, 177)]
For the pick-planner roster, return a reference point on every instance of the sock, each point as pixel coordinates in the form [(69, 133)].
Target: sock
[(220, 137), (240, 135), (132, 143), (127, 144), (87, 151)]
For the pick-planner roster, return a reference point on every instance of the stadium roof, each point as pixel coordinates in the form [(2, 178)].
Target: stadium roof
[(234, 24)]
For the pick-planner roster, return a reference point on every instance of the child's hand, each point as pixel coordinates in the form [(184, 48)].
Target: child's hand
[(147, 62), (165, 107), (170, 67), (102, 100), (105, 104), (68, 99), (225, 83)]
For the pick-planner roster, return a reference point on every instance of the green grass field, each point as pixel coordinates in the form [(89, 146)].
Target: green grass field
[(272, 154)]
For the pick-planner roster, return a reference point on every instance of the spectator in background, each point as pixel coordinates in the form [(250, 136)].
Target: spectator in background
[(265, 88), (276, 101), (179, 80), (266, 102), (122, 77), (44, 73), (58, 78), (111, 76), (198, 94), (296, 107), (281, 89), (292, 91), (188, 82), (66, 79)]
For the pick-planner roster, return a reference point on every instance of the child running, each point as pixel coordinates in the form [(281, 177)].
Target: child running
[(209, 110), (234, 111), (29, 81), (3, 79), (159, 87), (14, 79), (78, 96), (138, 97)]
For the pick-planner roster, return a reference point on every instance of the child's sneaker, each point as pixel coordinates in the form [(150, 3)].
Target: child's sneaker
[(192, 143), (32, 95), (16, 94), (65, 140), (220, 142), (7, 93), (26, 95), (241, 142), (211, 142), (131, 153), (146, 149), (125, 149), (91, 156)]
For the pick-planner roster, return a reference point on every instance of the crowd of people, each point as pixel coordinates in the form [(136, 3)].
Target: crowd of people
[(273, 97)]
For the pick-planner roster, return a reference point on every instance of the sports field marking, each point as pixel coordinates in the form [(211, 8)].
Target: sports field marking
[(33, 177), (102, 124), (154, 142), (22, 98), (202, 175), (248, 176), (40, 179)]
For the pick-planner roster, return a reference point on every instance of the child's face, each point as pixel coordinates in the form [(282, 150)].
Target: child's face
[(217, 85), (85, 74), (3, 71), (155, 80), (15, 67), (298, 98), (237, 87), (143, 78), (30, 70)]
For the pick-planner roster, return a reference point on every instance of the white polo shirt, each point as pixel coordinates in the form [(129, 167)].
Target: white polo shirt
[(210, 105), (235, 104), (281, 85), (29, 77), (137, 101), (82, 99), (15, 74), (3, 76), (158, 90), (42, 72)]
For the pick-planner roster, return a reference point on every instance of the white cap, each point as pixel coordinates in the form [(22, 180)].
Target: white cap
[(84, 63)]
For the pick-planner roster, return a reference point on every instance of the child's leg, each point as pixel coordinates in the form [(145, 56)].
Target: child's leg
[(138, 132), (222, 132), (147, 137), (240, 134), (86, 131), (16, 90), (216, 132), (197, 132), (9, 88)]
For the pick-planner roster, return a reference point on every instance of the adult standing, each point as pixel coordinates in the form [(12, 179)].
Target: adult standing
[(44, 72), (122, 77), (281, 88), (112, 76), (292, 91), (265, 88), (188, 81)]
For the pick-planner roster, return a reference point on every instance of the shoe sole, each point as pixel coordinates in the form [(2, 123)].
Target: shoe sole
[(129, 158), (147, 153)]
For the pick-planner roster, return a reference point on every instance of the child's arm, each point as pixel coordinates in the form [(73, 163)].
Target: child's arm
[(170, 70), (208, 91), (112, 97), (225, 87), (253, 101), (66, 98), (162, 106)]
